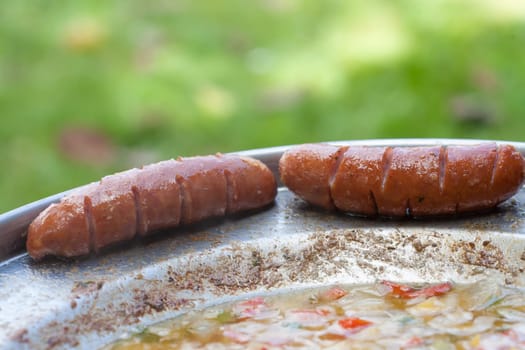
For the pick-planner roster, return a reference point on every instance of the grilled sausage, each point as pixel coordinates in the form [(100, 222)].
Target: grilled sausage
[(403, 181), (141, 201)]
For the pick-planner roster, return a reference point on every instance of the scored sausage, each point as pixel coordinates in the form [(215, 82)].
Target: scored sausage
[(154, 197), (403, 181)]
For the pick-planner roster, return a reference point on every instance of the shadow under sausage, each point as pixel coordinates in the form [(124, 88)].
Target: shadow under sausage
[(510, 209)]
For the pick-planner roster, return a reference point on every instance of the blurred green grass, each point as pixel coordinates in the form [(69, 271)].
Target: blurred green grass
[(147, 81)]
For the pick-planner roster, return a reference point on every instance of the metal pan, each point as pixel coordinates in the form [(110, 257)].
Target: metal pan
[(90, 302)]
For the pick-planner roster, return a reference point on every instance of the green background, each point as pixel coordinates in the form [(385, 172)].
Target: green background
[(89, 89)]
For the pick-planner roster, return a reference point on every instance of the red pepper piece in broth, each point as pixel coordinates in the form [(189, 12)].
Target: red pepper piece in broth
[(415, 341), (249, 308), (332, 294), (407, 292), (353, 323)]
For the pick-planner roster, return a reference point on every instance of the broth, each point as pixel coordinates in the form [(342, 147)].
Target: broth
[(384, 315)]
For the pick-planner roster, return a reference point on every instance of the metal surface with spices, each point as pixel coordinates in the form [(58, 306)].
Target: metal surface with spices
[(89, 302)]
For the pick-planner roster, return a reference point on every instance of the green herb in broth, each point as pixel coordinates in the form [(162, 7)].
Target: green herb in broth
[(148, 337), (226, 317), (383, 315)]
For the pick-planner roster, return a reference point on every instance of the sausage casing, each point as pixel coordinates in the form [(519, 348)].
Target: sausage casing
[(154, 197), (403, 181)]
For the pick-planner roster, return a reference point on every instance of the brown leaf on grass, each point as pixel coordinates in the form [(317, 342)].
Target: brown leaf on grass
[(472, 109), (485, 78), (86, 145)]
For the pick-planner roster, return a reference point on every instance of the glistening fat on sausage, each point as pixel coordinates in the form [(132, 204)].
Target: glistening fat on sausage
[(403, 181), (141, 201)]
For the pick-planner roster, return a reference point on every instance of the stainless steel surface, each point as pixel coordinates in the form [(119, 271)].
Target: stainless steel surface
[(86, 303)]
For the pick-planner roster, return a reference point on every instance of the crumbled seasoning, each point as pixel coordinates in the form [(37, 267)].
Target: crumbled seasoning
[(84, 287), (20, 336), (249, 266), (244, 268), (160, 300), (479, 253), (152, 299)]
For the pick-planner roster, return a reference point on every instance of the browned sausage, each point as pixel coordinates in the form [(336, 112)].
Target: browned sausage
[(403, 181), (140, 201)]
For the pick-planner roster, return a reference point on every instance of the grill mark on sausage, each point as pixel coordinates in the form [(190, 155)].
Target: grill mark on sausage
[(89, 223), (374, 203), (229, 191), (495, 166), (181, 199), (185, 201), (337, 164), (387, 163), (140, 224), (408, 210), (443, 158), (339, 156)]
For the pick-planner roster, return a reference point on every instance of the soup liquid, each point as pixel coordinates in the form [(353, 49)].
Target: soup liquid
[(383, 315)]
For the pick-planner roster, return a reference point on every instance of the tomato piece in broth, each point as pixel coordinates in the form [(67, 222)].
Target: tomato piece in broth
[(331, 294), (407, 292), (353, 323)]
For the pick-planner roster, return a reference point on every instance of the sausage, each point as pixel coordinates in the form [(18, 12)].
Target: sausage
[(403, 181), (138, 202)]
